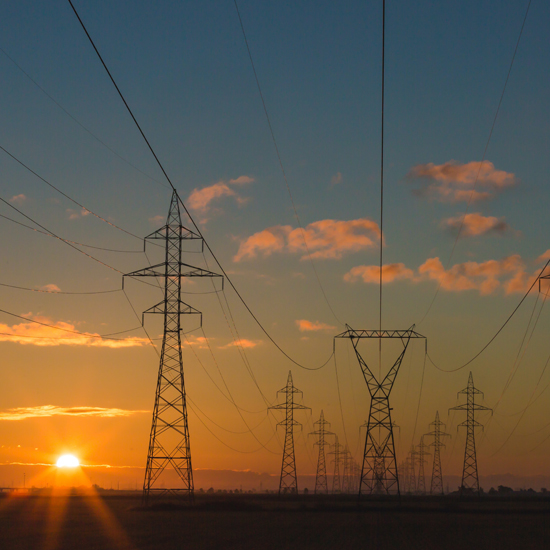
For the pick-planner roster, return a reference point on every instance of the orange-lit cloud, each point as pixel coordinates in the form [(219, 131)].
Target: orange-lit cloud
[(485, 277), (157, 220), (312, 326), (371, 273), (75, 214), (475, 224), (18, 199), (50, 288), (44, 411), (39, 335), (200, 199), (454, 182), (337, 179), (326, 239), (243, 343)]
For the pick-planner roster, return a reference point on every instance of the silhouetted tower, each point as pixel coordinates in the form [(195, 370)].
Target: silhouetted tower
[(470, 478), (436, 487), (169, 439), (346, 476), (321, 483), (413, 455), (379, 468), (422, 452), (289, 481), (336, 481)]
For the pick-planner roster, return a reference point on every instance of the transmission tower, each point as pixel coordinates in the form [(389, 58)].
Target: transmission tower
[(422, 452), (169, 439), (436, 487), (379, 468), (321, 482), (412, 458), (470, 478), (336, 482), (289, 481), (346, 476)]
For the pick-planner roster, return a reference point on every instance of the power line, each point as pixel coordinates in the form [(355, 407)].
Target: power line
[(481, 162), (59, 291), (182, 203), (281, 164), (77, 121), (497, 332)]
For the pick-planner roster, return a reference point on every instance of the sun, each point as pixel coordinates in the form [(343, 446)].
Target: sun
[(67, 461)]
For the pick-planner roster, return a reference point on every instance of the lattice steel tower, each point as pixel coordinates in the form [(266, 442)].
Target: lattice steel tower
[(289, 482), (422, 452), (436, 487), (321, 482), (336, 481), (470, 478), (379, 469), (169, 445), (412, 469)]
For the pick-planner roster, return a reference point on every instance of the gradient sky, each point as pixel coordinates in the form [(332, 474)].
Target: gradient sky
[(184, 69)]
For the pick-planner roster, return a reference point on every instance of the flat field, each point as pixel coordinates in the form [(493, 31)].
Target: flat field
[(269, 522)]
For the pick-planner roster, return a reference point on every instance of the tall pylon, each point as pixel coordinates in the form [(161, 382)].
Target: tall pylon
[(436, 486), (412, 458), (289, 482), (379, 469), (321, 481), (422, 452), (346, 476), (169, 445), (336, 481), (470, 478)]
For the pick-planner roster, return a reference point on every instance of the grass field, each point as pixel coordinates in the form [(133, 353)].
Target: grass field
[(268, 522)]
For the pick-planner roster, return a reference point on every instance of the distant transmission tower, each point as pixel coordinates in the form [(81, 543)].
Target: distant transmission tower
[(412, 469), (336, 481), (321, 482), (346, 476), (470, 478), (379, 469), (169, 439), (422, 452), (289, 481), (436, 487)]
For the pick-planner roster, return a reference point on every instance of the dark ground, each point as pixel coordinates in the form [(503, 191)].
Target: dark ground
[(268, 522)]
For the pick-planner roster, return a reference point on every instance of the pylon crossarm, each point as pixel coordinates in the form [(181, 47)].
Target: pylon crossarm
[(389, 379), (179, 231), (152, 271)]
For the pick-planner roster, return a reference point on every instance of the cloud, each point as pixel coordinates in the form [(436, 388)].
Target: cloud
[(454, 182), (337, 179), (485, 277), (38, 335), (371, 273), (76, 214), (45, 411), (312, 326), (326, 239), (18, 199), (50, 288), (157, 220), (243, 342), (200, 199), (475, 224)]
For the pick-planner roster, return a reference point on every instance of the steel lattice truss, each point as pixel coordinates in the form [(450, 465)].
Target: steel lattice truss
[(422, 452), (379, 470), (321, 482), (288, 482), (436, 487), (169, 439), (470, 478), (336, 482)]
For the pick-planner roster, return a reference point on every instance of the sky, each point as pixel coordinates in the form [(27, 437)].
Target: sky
[(184, 69)]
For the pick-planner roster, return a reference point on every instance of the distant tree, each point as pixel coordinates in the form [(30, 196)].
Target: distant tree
[(493, 491), (503, 490), (210, 491), (201, 490), (306, 491)]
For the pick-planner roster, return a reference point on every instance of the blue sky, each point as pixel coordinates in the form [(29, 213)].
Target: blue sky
[(184, 69)]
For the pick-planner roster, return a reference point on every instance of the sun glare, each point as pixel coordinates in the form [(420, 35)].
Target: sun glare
[(67, 461)]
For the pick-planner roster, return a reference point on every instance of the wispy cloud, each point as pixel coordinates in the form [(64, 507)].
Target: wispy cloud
[(46, 411), (18, 199), (242, 343), (337, 179), (76, 214), (201, 200), (326, 239), (312, 326), (371, 273), (39, 335), (476, 225), (157, 220), (50, 288), (453, 182)]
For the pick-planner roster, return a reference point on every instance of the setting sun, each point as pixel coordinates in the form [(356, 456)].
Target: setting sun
[(67, 461)]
